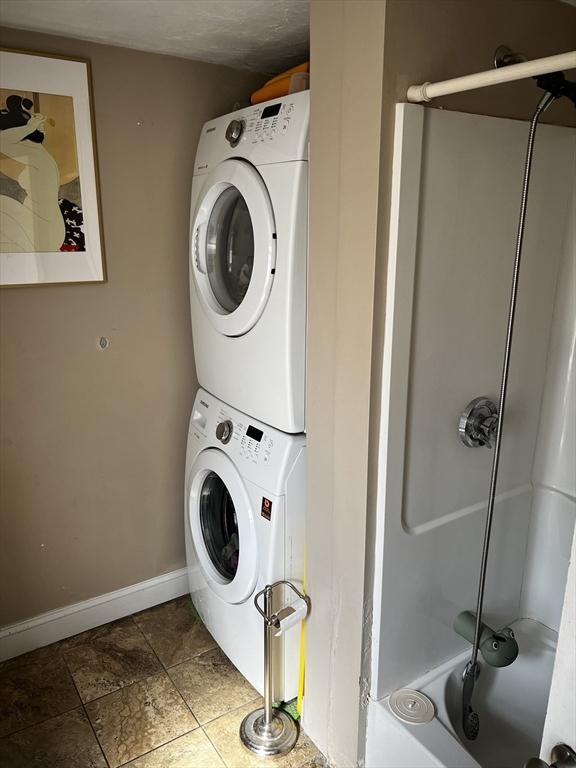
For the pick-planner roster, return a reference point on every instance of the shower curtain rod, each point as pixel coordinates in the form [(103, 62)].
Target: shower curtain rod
[(428, 91)]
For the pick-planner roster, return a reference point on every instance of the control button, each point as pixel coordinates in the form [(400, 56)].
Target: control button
[(224, 431), (234, 132)]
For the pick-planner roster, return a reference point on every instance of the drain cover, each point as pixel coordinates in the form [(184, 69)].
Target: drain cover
[(411, 706)]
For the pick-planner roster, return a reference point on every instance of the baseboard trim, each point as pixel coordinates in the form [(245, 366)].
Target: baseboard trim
[(65, 622)]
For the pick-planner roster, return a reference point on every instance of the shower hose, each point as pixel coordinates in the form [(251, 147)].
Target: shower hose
[(470, 719)]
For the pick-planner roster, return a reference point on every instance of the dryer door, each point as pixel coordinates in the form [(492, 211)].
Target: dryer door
[(233, 247), (221, 522)]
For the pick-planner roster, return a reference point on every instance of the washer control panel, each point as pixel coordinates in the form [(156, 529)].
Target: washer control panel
[(256, 445), (260, 453), (253, 443), (245, 439)]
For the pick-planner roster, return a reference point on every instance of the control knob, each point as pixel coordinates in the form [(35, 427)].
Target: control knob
[(224, 431), (234, 131)]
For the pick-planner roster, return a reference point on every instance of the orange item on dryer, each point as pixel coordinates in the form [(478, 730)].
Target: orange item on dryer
[(295, 70), (292, 81)]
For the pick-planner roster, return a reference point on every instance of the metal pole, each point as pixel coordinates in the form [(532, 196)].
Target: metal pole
[(268, 731), (268, 657)]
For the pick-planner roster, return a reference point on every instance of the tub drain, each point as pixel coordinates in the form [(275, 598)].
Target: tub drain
[(411, 706)]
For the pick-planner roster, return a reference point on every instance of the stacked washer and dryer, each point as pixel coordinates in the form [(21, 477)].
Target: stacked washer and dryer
[(245, 463)]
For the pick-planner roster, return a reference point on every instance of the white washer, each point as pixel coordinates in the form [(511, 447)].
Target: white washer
[(248, 259), (244, 529)]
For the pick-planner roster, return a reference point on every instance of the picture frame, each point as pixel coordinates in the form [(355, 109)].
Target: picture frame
[(50, 222)]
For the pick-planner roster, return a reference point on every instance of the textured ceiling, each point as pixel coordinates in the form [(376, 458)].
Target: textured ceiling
[(262, 35)]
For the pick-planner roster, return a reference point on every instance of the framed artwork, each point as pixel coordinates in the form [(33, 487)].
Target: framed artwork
[(49, 200)]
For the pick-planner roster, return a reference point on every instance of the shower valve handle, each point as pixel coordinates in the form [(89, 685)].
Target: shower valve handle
[(489, 428), (478, 425), (562, 756)]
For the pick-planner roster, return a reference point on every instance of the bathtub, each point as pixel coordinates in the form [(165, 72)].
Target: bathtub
[(511, 703)]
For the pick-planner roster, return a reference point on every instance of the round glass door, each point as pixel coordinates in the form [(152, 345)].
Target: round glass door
[(221, 519), (233, 247), (230, 249), (219, 526)]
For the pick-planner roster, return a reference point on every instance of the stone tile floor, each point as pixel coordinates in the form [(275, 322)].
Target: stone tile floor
[(152, 690)]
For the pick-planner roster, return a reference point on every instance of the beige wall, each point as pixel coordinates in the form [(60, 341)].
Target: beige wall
[(364, 56), (93, 443), (347, 40)]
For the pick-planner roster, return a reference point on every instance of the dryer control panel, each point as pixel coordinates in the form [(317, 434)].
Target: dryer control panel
[(260, 453), (273, 132), (265, 124)]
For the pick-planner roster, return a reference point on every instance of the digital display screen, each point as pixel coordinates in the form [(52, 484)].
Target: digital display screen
[(270, 111), (255, 434)]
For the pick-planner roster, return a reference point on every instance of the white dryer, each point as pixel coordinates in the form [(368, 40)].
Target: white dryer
[(248, 259), (244, 529)]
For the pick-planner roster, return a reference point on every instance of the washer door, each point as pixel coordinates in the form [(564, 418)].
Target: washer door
[(233, 247), (222, 526)]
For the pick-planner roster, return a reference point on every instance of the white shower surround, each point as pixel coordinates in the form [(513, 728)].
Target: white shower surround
[(448, 291), (554, 474), (513, 703)]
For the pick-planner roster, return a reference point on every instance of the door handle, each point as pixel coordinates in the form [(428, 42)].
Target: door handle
[(199, 248), (562, 756)]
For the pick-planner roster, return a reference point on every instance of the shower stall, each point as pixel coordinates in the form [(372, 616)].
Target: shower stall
[(457, 180)]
